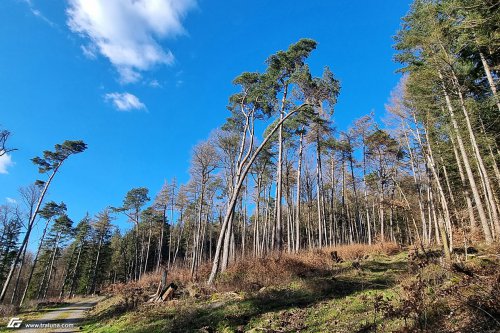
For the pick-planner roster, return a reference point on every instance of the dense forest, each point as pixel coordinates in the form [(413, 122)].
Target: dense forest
[(278, 176)]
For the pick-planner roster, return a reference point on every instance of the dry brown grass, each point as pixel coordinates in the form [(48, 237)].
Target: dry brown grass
[(278, 270), (8, 310), (361, 251), (251, 274)]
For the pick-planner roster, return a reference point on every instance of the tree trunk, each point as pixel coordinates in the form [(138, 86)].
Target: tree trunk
[(94, 274), (468, 169), (148, 246), (75, 271), (34, 263), (447, 245), (28, 232), (235, 192), (16, 286), (470, 209), (51, 266), (279, 180), (318, 191), (297, 203), (479, 158), (490, 78), (196, 239)]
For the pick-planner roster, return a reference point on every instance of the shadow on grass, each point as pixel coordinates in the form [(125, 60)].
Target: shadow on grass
[(111, 312), (237, 314), (381, 266)]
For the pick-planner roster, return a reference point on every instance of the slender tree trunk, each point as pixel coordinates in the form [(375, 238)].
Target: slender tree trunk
[(136, 249), (27, 234), (16, 286), (256, 234), (160, 240), (94, 274), (148, 247), (171, 225), (66, 273), (196, 239), (235, 192), (368, 223), (30, 276), (279, 180), (356, 204), (318, 191), (333, 213), (42, 283), (490, 78), (452, 198), (479, 158), (75, 271), (381, 202), (418, 183), (297, 203), (51, 266), (470, 209), (468, 169), (447, 245), (181, 229)]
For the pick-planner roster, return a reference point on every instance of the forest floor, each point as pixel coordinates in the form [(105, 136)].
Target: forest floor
[(65, 317), (396, 291), (373, 289)]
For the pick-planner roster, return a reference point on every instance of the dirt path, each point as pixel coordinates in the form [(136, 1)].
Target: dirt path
[(63, 319)]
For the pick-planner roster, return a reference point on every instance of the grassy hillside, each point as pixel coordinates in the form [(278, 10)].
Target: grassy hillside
[(374, 289)]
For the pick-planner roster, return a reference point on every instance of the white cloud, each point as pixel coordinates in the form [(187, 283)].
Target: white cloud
[(5, 162), (127, 32), (125, 101), (10, 200)]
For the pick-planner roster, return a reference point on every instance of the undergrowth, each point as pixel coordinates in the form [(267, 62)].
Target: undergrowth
[(378, 288)]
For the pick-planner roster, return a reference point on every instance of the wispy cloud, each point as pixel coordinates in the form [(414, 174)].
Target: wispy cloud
[(127, 32), (5, 162), (125, 101), (10, 200), (38, 13), (155, 84), (89, 51)]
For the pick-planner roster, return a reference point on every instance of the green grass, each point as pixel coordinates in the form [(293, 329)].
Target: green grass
[(338, 299)]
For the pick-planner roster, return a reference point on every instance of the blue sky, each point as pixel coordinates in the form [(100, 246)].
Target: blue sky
[(141, 82)]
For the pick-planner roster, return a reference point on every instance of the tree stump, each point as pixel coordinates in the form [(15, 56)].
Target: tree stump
[(168, 293), (162, 287), (335, 257)]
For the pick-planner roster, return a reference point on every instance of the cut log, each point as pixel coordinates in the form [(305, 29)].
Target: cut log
[(168, 293)]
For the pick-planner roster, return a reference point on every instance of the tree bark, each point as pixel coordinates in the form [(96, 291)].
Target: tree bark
[(297, 203)]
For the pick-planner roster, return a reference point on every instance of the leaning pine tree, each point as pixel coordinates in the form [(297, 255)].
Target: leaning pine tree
[(48, 164), (284, 90)]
